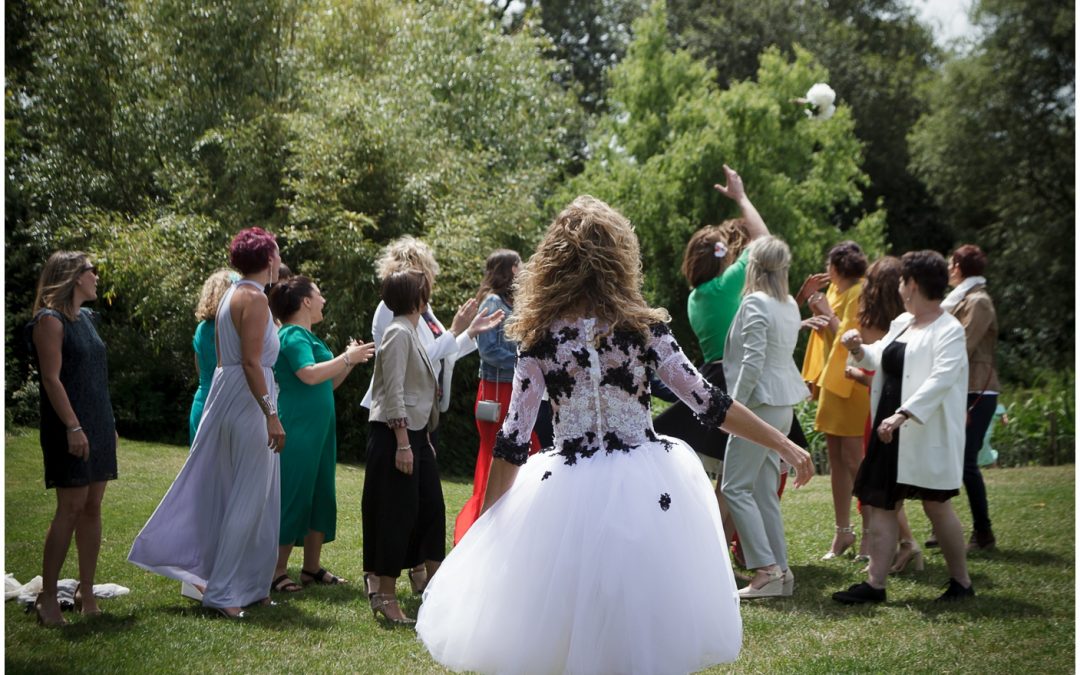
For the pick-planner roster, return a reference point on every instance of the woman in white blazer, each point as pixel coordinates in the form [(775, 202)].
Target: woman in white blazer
[(444, 347), (916, 450), (759, 365)]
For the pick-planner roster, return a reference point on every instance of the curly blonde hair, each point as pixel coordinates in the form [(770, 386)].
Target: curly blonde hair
[(213, 289), (588, 261), (407, 253)]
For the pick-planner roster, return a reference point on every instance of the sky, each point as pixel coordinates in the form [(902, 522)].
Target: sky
[(948, 18)]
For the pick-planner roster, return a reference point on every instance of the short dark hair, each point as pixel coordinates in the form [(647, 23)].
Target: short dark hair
[(287, 296), (970, 259), (251, 250), (927, 269), (848, 259), (406, 291)]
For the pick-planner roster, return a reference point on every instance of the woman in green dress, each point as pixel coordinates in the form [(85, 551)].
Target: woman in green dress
[(307, 373), (204, 343)]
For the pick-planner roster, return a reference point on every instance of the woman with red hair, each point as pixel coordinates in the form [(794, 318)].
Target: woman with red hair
[(216, 529)]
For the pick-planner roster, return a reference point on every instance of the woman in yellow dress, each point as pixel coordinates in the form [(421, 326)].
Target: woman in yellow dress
[(842, 404)]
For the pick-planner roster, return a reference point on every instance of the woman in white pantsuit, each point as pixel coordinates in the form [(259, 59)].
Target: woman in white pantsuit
[(758, 361)]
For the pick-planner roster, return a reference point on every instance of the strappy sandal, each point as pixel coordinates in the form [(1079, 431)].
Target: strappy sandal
[(77, 597), (42, 621), (418, 579), (284, 584), (321, 577), (379, 603)]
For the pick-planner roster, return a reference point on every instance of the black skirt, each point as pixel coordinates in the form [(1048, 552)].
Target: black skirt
[(876, 483), (404, 516)]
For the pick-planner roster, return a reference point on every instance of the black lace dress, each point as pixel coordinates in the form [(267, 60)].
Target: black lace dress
[(84, 372), (876, 483)]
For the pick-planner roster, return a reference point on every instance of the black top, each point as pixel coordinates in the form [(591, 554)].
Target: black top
[(84, 373)]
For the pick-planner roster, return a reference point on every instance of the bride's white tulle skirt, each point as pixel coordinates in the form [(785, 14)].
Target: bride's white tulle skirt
[(616, 564)]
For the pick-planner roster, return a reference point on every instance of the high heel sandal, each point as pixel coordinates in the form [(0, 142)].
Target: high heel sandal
[(773, 588), (908, 553), (832, 554), (42, 621), (368, 579), (865, 541), (418, 586), (379, 603), (77, 597)]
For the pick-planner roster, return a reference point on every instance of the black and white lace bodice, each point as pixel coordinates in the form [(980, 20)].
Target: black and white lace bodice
[(598, 383)]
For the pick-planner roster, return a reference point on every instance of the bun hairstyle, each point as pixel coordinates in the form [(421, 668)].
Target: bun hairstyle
[(848, 259), (286, 297), (251, 250), (588, 263), (712, 249)]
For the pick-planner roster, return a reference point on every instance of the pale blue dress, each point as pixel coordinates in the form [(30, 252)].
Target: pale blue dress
[(218, 524)]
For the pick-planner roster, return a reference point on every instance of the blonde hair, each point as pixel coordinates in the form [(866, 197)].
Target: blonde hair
[(56, 285), (588, 259), (210, 297), (767, 267), (407, 253)]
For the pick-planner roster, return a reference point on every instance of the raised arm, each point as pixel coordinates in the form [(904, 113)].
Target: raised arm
[(735, 191)]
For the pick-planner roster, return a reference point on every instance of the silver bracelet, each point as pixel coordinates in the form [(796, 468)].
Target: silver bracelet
[(267, 405), (345, 356), (74, 429), (404, 447)]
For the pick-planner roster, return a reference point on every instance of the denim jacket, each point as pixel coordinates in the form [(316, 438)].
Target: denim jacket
[(498, 355)]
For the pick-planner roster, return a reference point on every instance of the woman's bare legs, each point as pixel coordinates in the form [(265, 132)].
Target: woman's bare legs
[(845, 455), (88, 543), (950, 536), (69, 507), (883, 528)]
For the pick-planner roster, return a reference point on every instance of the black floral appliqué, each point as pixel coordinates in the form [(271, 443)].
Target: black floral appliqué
[(621, 377), (612, 442), (716, 411), (543, 349), (582, 357), (507, 447), (560, 384), (628, 341), (665, 502), (567, 334), (547, 474), (652, 436), (525, 382)]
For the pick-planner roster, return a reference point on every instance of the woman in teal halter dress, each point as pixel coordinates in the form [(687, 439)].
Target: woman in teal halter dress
[(203, 343)]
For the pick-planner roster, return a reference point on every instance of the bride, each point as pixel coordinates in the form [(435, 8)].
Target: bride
[(604, 553)]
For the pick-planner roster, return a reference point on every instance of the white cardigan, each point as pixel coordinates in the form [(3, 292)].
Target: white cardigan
[(934, 391), (442, 352)]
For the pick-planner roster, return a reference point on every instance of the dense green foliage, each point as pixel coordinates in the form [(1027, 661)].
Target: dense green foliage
[(149, 133), (1014, 625), (670, 130), (997, 148)]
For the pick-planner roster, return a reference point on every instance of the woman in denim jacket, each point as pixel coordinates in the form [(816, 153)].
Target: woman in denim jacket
[(498, 357)]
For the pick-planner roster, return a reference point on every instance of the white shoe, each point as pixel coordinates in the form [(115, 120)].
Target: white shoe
[(773, 588), (189, 591), (789, 583)]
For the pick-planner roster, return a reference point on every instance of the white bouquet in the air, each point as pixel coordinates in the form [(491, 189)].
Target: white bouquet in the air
[(820, 101)]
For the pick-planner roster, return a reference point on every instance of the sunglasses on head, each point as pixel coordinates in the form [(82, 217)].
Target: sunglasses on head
[(90, 268)]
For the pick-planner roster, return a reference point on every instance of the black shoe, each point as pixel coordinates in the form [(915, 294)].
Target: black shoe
[(860, 594), (931, 541), (956, 592), (982, 541)]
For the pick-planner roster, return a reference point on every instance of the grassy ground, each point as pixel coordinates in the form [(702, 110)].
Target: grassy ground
[(1022, 621)]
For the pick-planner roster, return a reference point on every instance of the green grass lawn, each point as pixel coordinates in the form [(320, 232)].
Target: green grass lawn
[(1021, 622)]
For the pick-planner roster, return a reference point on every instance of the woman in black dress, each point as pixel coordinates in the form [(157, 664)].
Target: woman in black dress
[(916, 451), (78, 432)]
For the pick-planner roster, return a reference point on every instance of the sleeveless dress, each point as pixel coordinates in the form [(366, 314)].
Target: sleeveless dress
[(84, 373), (607, 555), (206, 353), (218, 524)]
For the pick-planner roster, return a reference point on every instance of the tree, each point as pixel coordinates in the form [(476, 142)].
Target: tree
[(878, 55), (657, 153), (996, 146)]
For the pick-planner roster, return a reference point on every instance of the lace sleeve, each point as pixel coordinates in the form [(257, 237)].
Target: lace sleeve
[(708, 403), (512, 441)]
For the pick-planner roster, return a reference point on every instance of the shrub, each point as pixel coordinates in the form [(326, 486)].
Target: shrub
[(1040, 427)]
